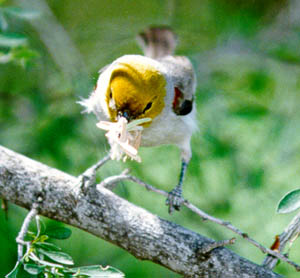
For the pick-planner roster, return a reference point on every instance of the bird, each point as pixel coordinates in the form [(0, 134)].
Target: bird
[(158, 85)]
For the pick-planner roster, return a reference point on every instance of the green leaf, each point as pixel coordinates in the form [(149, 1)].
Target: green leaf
[(47, 246), (57, 256), (27, 14), (24, 53), (15, 271), (21, 55), (31, 234), (43, 262), (33, 268), (12, 40), (59, 232), (97, 271), (290, 202), (42, 238)]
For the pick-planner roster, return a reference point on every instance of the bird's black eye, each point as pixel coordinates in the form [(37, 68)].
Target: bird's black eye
[(148, 106), (110, 93)]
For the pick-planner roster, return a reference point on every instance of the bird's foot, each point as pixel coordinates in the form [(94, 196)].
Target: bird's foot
[(175, 199)]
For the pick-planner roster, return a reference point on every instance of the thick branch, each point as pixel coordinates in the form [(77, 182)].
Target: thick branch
[(104, 214)]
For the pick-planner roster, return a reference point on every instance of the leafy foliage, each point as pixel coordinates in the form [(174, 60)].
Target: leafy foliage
[(45, 260), (14, 46)]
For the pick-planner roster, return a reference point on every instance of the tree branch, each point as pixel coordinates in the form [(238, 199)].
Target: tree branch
[(104, 214), (274, 255)]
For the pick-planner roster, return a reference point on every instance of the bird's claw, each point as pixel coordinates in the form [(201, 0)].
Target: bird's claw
[(174, 199)]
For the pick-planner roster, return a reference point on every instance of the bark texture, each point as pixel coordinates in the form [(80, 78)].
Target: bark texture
[(148, 237)]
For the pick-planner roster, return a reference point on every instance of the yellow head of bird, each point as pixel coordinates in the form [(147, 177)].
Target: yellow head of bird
[(136, 90)]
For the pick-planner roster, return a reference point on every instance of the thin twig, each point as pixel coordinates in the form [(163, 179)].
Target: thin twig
[(24, 229), (38, 225), (211, 246), (229, 226), (288, 236), (101, 162), (112, 180)]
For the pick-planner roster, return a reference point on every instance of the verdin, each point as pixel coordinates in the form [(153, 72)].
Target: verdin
[(158, 86)]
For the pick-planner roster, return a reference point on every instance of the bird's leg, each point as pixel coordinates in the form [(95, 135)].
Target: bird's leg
[(175, 199), (88, 177)]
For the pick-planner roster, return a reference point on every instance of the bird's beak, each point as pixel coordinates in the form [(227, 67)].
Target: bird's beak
[(124, 114)]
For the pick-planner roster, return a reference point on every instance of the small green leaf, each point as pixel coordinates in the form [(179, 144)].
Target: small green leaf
[(290, 202), (24, 53), (97, 271), (47, 246), (12, 40), (59, 232), (31, 234), (57, 256), (42, 238), (33, 268), (15, 271), (27, 14)]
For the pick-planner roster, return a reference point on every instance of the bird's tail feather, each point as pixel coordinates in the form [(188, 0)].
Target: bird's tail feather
[(157, 42)]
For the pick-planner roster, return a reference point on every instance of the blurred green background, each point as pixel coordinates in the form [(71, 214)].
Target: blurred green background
[(246, 155)]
